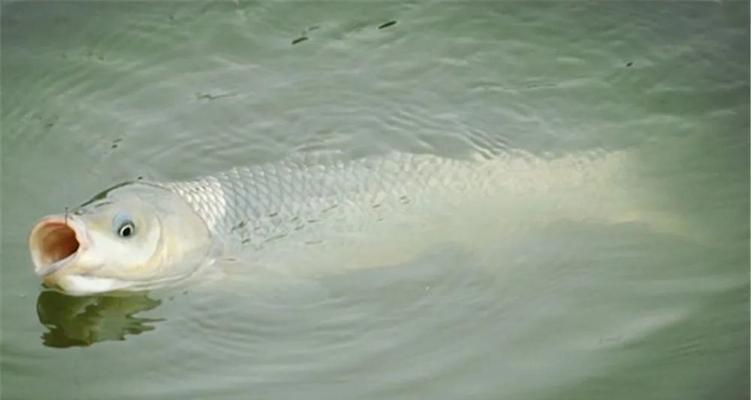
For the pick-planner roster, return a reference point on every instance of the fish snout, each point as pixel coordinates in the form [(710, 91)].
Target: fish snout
[(54, 242)]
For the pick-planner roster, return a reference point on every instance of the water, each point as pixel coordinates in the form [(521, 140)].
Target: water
[(95, 93)]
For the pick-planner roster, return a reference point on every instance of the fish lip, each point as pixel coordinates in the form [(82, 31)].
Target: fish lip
[(55, 242)]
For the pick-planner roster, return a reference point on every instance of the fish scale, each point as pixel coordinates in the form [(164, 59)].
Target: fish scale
[(316, 197), (251, 205)]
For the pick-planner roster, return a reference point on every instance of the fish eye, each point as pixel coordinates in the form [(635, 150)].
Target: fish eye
[(124, 226), (126, 230)]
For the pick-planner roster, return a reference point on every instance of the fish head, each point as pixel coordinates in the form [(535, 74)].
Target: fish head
[(133, 236)]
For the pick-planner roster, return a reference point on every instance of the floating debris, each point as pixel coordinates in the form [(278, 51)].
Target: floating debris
[(208, 96), (300, 39), (240, 225), (387, 24), (630, 63)]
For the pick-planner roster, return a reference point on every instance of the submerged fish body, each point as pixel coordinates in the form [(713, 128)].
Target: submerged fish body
[(148, 234)]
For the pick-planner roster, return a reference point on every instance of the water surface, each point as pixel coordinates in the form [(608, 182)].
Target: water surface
[(96, 93)]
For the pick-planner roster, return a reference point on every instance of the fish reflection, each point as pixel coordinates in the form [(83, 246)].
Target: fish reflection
[(84, 321)]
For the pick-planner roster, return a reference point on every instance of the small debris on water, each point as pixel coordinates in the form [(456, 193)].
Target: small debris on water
[(630, 63), (209, 96), (241, 224), (387, 24), (300, 39)]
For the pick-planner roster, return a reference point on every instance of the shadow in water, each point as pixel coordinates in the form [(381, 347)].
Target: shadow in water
[(84, 321)]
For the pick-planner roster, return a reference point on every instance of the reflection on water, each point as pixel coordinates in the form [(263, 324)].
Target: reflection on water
[(83, 321)]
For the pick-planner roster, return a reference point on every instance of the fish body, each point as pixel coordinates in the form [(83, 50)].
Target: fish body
[(249, 206), (142, 235)]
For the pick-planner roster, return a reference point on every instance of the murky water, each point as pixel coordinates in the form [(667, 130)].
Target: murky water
[(649, 304)]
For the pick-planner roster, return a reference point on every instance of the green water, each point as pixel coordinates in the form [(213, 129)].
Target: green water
[(95, 93)]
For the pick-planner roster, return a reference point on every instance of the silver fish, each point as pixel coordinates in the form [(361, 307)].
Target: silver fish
[(141, 235)]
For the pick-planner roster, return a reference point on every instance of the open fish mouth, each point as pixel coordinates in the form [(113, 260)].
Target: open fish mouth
[(55, 242)]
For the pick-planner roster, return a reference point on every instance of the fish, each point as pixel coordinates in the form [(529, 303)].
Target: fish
[(142, 234)]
